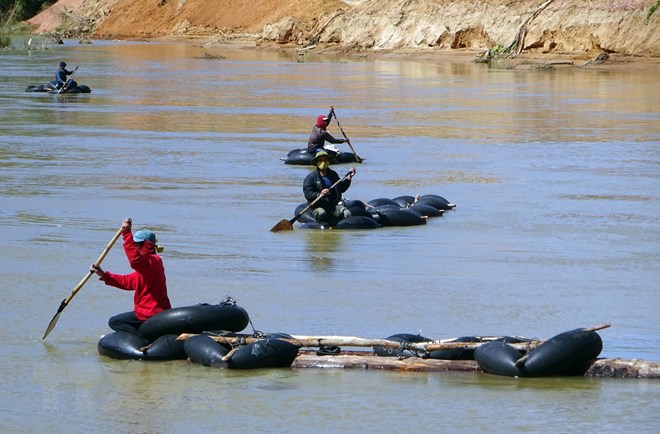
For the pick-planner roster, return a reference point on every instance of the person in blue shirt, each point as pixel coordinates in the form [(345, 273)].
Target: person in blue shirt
[(329, 208), (61, 77)]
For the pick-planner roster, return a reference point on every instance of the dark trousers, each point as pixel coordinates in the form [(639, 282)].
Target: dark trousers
[(125, 322)]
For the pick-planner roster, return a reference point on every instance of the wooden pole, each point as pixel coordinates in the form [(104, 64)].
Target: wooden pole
[(353, 341), (66, 301)]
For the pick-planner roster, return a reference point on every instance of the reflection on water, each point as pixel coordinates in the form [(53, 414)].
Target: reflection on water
[(321, 249), (554, 174)]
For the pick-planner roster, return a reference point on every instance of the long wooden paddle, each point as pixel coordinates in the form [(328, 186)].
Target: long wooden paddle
[(357, 158), (287, 225), (66, 301), (64, 85)]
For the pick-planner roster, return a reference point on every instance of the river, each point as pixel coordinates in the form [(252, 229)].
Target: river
[(554, 174)]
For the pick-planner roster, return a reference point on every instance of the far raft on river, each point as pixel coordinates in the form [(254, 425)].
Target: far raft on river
[(302, 157), (208, 335), (52, 89)]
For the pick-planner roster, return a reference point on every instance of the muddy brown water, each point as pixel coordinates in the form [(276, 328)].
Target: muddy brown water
[(555, 177)]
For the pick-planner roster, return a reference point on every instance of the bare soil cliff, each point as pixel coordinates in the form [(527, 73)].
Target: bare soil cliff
[(626, 27)]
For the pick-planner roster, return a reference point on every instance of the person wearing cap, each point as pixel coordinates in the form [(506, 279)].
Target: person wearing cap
[(61, 77), (328, 209), (147, 281), (320, 134)]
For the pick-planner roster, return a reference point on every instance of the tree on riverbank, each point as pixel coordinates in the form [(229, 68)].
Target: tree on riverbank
[(6, 26), (13, 12), (22, 9)]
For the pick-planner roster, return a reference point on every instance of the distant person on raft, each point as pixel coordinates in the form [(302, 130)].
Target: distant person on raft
[(320, 135), (61, 80)]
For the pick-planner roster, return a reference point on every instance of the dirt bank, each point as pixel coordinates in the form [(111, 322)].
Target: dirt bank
[(577, 29)]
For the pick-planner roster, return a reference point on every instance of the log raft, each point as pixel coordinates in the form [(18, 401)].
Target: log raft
[(351, 358), (612, 368)]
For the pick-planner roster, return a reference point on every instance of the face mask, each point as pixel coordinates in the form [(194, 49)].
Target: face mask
[(323, 165)]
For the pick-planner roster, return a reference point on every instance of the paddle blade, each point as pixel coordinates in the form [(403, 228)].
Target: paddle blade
[(53, 322), (283, 225)]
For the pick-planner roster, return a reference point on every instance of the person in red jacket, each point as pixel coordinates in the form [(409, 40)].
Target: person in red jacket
[(147, 281), (320, 135)]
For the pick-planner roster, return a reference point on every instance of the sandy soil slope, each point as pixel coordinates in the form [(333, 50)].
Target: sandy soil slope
[(581, 28)]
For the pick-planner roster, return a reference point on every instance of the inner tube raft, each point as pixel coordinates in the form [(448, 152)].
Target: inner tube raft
[(408, 210), (401, 352), (156, 339), (388, 216), (435, 201), (382, 212), (204, 350), (51, 88), (225, 316), (302, 157), (356, 221), (567, 353), (445, 354), (425, 210), (274, 351), (122, 345), (456, 353), (468, 353)]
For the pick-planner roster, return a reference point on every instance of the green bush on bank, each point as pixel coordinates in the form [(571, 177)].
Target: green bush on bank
[(6, 20), (10, 25), (652, 10), (13, 13), (23, 9)]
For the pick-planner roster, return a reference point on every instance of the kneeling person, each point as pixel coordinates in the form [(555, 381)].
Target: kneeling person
[(147, 281), (317, 184)]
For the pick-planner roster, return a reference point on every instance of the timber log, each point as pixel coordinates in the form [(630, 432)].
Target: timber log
[(613, 368)]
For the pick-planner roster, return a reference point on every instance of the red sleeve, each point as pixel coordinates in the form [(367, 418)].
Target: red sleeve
[(128, 282), (135, 259)]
